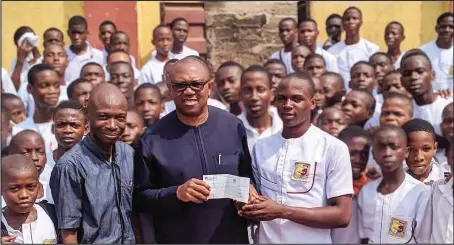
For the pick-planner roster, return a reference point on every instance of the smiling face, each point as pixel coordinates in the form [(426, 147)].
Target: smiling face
[(421, 149), (359, 154), (445, 29), (46, 88), (447, 124)]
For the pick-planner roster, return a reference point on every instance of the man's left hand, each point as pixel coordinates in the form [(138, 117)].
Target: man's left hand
[(264, 211)]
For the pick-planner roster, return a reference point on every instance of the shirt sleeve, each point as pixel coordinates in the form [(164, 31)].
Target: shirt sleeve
[(424, 217), (245, 165), (148, 197), (66, 188), (339, 172), (361, 230)]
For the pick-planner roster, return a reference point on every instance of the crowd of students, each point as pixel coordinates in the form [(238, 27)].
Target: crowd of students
[(343, 143)]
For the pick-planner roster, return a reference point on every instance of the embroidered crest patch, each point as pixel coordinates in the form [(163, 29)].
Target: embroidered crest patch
[(301, 171), (397, 228)]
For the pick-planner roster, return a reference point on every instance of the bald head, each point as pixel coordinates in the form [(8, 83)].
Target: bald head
[(17, 165), (106, 94), (196, 64)]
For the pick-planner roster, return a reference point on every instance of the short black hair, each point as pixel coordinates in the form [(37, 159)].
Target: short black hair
[(315, 56), (91, 63), (353, 131), (118, 33), (231, 63), (121, 63), (20, 31), (333, 16), (71, 86), (353, 8), (77, 20), (256, 68), (396, 23), (402, 97), (6, 97), (171, 61), (54, 29), (71, 104), (415, 52), (116, 51), (288, 19), (308, 20), (443, 16), (370, 97), (148, 86), (390, 127), (274, 61), (158, 27), (107, 23), (305, 77), (362, 62), (33, 72), (418, 125), (393, 72), (339, 79), (387, 56), (174, 21)]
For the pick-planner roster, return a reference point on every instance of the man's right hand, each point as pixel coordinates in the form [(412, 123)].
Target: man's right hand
[(23, 51), (8, 239), (194, 190)]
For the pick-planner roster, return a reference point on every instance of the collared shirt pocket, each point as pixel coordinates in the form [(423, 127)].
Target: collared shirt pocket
[(400, 229), (227, 163), (303, 175)]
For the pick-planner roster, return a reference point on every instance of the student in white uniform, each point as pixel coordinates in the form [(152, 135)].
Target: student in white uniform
[(422, 147), (417, 77), (394, 36), (55, 56), (358, 142), (7, 83), (24, 223), (260, 119), (180, 31), (44, 86), (354, 48), (440, 52), (288, 35), (442, 205), (392, 209), (447, 131), (303, 174), (152, 71), (80, 51), (307, 35), (333, 30), (28, 55)]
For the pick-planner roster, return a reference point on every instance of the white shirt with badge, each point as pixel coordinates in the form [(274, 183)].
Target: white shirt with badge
[(442, 64), (348, 55), (152, 71), (442, 212), (253, 136), (29, 102), (7, 83), (432, 112), (76, 62), (301, 172), (398, 217), (285, 57), (44, 129), (40, 231)]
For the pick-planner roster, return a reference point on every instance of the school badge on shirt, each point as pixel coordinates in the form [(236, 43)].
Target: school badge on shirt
[(301, 171), (451, 70), (50, 241), (397, 228)]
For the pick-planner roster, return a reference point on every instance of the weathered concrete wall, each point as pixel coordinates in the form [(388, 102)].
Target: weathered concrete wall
[(245, 32)]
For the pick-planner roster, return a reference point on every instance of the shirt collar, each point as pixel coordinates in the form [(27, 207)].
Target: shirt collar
[(72, 55), (97, 151), (272, 111)]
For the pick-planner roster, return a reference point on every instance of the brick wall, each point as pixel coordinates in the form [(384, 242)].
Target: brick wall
[(246, 32)]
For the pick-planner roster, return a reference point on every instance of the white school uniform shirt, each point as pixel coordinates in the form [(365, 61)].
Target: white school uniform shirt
[(397, 64), (330, 60), (348, 55), (315, 163), (432, 112), (44, 129), (349, 234), (25, 67), (76, 62), (285, 57), (442, 64), (187, 51), (7, 83), (40, 231), (29, 102), (152, 71), (442, 212), (253, 136), (398, 217)]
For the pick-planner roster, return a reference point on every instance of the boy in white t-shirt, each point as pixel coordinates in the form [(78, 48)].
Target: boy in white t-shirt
[(23, 221), (440, 52), (288, 35), (417, 77), (152, 71), (354, 48), (393, 209), (422, 147), (180, 31)]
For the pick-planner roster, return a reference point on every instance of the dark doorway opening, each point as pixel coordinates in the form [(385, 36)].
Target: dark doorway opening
[(304, 10)]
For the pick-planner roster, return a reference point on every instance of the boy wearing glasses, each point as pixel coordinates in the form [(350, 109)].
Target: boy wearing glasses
[(303, 174)]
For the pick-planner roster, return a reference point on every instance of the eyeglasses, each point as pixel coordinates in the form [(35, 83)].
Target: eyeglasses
[(182, 86)]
